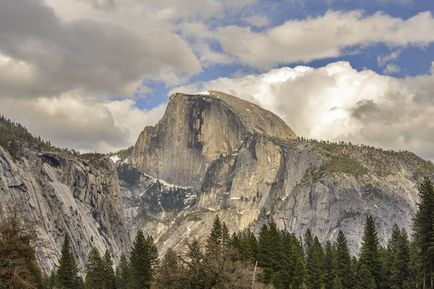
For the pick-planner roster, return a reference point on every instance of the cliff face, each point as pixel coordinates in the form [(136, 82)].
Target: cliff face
[(244, 164), (197, 129), (65, 194)]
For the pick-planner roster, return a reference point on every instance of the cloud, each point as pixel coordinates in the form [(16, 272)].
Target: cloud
[(76, 122), (391, 68), (337, 102), (322, 37), (383, 60), (257, 20), (95, 56)]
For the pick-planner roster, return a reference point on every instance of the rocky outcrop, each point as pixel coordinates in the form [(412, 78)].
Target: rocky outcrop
[(66, 194), (245, 164)]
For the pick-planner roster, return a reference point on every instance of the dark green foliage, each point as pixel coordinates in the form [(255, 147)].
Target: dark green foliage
[(315, 265), (169, 275), (108, 272), (370, 257), (219, 234), (344, 164), (13, 135), (94, 270), (281, 257), (330, 266), (337, 283), (344, 266), (364, 278), (398, 259), (122, 273), (246, 245), (424, 236), (18, 266), (143, 261), (67, 273)]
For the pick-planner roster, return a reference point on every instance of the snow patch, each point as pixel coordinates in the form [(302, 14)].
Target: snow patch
[(115, 158), (206, 92)]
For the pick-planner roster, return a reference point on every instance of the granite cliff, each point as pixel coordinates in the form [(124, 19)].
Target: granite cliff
[(62, 192)]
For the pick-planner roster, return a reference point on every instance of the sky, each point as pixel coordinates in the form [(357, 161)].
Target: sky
[(90, 74)]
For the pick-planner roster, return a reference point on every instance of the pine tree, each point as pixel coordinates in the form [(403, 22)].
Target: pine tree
[(315, 265), (108, 272), (337, 283), (94, 271), (268, 251), (398, 259), (424, 233), (246, 244), (330, 266), (364, 278), (299, 277), (67, 272), (143, 260), (344, 264), (18, 266), (370, 257), (169, 274), (122, 273), (216, 236)]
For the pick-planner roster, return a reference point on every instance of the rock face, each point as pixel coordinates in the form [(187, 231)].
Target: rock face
[(228, 157), (66, 194), (197, 129)]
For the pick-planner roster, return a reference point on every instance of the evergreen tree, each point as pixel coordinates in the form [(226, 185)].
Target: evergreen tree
[(108, 272), (122, 273), (169, 273), (18, 266), (143, 259), (370, 257), (67, 272), (268, 252), (398, 259), (94, 270), (424, 234), (364, 278), (246, 245), (299, 277), (315, 265), (337, 283), (216, 236), (344, 264), (330, 266)]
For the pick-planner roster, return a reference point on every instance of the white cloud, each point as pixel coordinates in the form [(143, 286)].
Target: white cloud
[(257, 20), (73, 121), (391, 68), (383, 60), (337, 102), (324, 36)]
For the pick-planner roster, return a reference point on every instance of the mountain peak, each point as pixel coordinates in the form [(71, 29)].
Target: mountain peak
[(196, 129)]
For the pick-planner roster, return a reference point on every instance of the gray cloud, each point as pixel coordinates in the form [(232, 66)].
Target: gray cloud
[(90, 55), (306, 40), (337, 102), (75, 122)]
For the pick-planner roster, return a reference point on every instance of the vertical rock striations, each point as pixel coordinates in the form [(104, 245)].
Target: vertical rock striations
[(197, 129), (66, 194)]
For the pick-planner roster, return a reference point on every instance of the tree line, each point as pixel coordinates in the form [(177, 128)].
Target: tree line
[(272, 259)]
